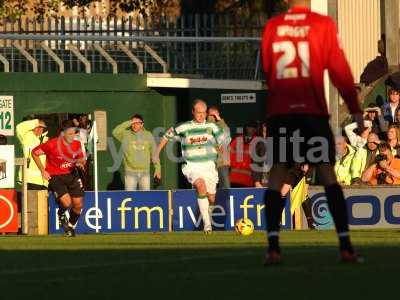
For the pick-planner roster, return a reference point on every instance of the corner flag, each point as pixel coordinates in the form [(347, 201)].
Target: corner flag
[(298, 195)]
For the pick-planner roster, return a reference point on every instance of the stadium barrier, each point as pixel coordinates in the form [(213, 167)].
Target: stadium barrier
[(368, 208), (163, 211), (37, 210), (8, 211)]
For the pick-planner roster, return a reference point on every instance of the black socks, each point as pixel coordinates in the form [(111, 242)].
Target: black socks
[(338, 209), (273, 212)]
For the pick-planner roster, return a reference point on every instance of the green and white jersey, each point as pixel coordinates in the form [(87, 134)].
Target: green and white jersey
[(199, 141)]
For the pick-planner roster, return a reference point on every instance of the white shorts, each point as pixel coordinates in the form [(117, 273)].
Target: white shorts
[(204, 170)]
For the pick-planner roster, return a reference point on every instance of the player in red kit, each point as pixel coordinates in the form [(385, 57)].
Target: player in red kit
[(297, 47), (63, 155)]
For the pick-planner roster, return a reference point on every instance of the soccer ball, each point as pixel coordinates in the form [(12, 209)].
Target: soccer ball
[(244, 226)]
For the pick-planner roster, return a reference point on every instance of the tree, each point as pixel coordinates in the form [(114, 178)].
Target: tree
[(248, 9), (13, 9), (269, 7), (45, 8), (252, 14), (144, 7)]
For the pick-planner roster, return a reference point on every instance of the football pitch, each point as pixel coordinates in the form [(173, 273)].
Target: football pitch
[(194, 266)]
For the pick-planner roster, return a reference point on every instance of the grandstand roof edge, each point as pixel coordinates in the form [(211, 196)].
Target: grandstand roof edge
[(200, 83)]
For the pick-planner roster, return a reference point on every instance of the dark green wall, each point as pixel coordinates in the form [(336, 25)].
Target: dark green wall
[(119, 95), (378, 95), (235, 115)]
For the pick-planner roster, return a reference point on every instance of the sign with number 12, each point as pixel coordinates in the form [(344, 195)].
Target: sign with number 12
[(7, 115)]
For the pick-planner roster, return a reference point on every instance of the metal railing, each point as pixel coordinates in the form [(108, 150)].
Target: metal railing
[(185, 25), (210, 57), (206, 45)]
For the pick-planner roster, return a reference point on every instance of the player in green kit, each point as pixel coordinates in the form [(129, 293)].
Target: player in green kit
[(200, 141)]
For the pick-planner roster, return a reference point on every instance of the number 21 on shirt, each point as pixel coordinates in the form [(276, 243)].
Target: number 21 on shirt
[(290, 51)]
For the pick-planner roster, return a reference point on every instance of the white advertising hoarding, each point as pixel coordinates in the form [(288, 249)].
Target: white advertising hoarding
[(7, 166)]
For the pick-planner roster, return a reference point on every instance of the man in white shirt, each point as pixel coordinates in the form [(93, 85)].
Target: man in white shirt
[(359, 139), (391, 107)]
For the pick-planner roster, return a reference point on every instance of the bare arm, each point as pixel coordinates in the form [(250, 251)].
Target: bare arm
[(156, 164), (156, 156), (81, 163), (395, 173), (367, 174), (258, 184), (42, 169), (355, 140)]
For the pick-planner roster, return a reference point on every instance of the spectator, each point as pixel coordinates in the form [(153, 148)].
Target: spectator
[(390, 108), (31, 133), (3, 140), (377, 67), (358, 140), (350, 119), (393, 139), (344, 161), (397, 119), (223, 160), (138, 145), (374, 114), (260, 165), (241, 175), (364, 157), (85, 126), (385, 169)]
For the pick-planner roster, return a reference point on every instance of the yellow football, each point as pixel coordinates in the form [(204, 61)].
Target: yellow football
[(244, 226)]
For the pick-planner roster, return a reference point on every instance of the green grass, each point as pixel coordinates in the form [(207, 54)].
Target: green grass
[(194, 266)]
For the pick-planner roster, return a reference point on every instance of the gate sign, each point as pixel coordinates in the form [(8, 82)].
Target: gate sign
[(8, 211), (118, 212), (7, 115)]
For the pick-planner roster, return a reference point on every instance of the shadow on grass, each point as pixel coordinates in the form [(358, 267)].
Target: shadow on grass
[(195, 273)]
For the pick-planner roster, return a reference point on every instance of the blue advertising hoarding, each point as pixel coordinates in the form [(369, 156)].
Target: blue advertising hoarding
[(122, 211), (377, 207), (320, 212), (231, 205), (119, 212)]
